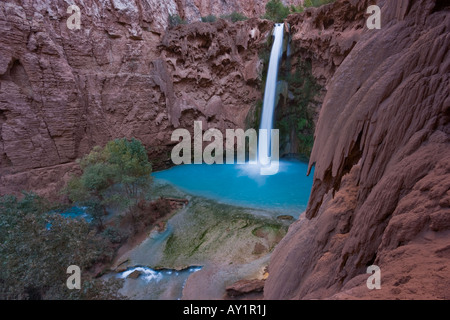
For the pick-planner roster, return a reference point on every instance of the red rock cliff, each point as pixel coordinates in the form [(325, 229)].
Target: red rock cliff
[(382, 157), (63, 91)]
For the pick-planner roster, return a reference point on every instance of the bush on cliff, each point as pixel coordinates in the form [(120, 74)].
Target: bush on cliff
[(118, 174), (299, 115), (211, 18), (277, 11), (316, 3)]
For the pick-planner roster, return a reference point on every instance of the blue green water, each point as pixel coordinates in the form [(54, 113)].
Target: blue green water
[(77, 213), (243, 185)]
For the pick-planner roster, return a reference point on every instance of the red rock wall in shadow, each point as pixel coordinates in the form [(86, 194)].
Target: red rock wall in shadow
[(64, 91), (381, 192)]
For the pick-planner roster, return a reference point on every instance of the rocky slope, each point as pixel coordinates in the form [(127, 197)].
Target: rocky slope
[(195, 9), (381, 193), (123, 74)]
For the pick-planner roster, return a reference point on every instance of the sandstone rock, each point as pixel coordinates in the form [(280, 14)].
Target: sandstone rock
[(253, 69), (243, 287), (64, 91), (327, 35), (259, 249), (381, 158), (194, 9), (285, 217), (135, 274)]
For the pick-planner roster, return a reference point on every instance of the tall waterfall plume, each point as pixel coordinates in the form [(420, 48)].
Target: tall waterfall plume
[(264, 143)]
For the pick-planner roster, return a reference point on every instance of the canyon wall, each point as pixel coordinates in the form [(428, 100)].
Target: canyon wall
[(381, 193), (64, 91), (195, 9), (382, 170)]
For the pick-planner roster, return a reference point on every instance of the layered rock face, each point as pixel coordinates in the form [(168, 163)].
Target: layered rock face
[(64, 91), (195, 9), (381, 193)]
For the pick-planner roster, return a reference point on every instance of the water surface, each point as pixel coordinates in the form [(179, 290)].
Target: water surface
[(243, 185)]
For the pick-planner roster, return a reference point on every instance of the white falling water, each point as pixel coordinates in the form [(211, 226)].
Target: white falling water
[(264, 143)]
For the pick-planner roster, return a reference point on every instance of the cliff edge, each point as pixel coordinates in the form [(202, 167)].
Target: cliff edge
[(381, 193)]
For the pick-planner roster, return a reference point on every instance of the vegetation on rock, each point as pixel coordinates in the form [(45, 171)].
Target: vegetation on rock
[(299, 114), (234, 17), (316, 3), (209, 18), (118, 174), (37, 246), (277, 11)]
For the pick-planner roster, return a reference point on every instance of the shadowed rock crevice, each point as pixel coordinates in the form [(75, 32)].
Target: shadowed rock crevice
[(334, 183), (4, 160), (441, 5), (20, 78)]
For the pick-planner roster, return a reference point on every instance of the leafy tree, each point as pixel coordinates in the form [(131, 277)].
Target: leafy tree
[(118, 174), (37, 247), (276, 11)]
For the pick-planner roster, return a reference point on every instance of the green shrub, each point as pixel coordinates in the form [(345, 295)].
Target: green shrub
[(210, 18), (316, 3), (118, 174), (175, 20), (277, 11), (113, 235), (253, 118), (299, 117), (234, 17)]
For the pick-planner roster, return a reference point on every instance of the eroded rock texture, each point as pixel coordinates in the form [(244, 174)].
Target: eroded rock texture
[(193, 10), (63, 91), (382, 157)]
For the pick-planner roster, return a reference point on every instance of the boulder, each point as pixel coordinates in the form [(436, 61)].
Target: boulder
[(135, 274), (243, 287)]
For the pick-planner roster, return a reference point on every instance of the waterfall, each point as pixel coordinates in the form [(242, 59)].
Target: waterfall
[(264, 143)]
